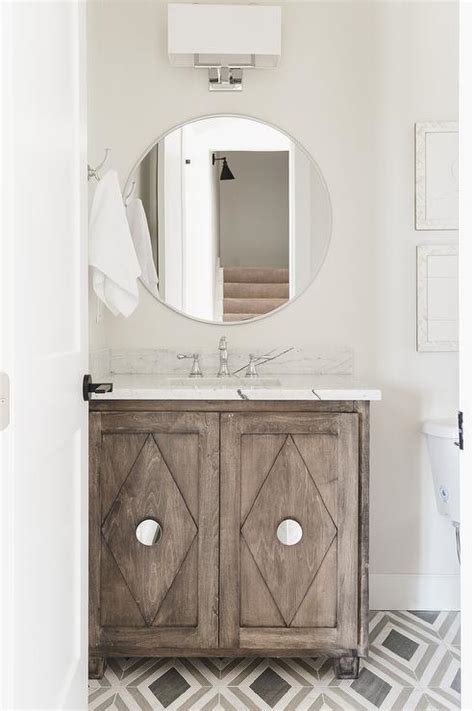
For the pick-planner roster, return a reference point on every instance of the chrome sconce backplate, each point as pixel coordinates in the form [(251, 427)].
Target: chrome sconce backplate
[(225, 78)]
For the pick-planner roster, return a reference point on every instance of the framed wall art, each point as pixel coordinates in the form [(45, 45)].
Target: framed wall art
[(437, 175), (437, 298)]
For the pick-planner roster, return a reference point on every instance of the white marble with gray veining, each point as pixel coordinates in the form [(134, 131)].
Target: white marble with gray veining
[(281, 387), (297, 361)]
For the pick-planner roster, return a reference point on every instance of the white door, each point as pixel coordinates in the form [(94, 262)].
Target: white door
[(466, 355), (43, 321)]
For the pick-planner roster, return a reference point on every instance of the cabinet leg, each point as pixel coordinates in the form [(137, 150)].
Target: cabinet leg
[(97, 667), (346, 667)]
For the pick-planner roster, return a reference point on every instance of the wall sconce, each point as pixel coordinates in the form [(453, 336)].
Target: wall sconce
[(226, 173), (225, 39)]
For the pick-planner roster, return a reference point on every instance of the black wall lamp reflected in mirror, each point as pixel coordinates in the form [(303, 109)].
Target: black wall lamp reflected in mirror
[(226, 173)]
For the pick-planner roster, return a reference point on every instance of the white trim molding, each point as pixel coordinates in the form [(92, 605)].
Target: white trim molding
[(437, 298), (414, 592), (442, 173)]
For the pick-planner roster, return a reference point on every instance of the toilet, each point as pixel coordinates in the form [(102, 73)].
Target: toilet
[(444, 458)]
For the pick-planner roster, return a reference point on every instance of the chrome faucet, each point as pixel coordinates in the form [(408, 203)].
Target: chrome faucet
[(223, 357)]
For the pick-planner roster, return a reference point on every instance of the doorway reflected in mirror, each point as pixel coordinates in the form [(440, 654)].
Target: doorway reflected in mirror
[(239, 218)]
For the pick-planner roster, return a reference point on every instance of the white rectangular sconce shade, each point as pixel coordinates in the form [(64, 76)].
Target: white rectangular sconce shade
[(224, 35)]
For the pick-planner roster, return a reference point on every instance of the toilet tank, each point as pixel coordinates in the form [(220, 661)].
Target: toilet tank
[(444, 459)]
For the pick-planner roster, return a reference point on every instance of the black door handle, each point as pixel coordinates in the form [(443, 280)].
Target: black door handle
[(88, 387), (460, 442)]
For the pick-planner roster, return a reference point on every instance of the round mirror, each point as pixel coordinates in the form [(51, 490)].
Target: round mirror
[(149, 532), (289, 532), (231, 218)]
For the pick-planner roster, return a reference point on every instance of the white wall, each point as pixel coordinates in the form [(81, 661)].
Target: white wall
[(171, 219), (353, 80), (415, 79), (254, 224)]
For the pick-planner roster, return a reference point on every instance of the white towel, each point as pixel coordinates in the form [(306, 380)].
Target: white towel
[(142, 241), (112, 256)]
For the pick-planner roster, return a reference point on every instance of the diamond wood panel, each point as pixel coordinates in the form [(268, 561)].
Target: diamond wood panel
[(118, 606), (257, 606), (318, 608), (288, 492), (180, 606), (119, 453), (165, 466), (149, 492), (182, 459), (320, 454), (313, 585), (259, 452)]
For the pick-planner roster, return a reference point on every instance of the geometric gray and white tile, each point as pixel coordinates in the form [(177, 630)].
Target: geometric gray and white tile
[(413, 665)]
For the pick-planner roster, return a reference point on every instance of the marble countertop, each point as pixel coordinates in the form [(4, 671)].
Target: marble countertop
[(274, 387)]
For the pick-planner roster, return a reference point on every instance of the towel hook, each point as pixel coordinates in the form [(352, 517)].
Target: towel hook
[(130, 193), (94, 172)]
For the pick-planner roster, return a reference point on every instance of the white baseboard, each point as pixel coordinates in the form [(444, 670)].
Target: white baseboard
[(414, 592)]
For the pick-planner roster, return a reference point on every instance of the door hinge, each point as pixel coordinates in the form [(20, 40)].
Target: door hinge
[(460, 442)]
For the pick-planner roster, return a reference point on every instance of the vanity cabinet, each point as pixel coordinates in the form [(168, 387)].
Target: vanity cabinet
[(258, 519), (158, 467), (299, 468)]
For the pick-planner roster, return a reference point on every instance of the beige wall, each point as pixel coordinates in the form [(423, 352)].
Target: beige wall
[(353, 80), (254, 219)]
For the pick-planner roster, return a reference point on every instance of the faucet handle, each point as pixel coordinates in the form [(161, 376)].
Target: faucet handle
[(195, 371), (251, 368)]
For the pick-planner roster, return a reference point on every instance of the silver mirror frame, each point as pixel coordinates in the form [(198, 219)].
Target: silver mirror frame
[(195, 119)]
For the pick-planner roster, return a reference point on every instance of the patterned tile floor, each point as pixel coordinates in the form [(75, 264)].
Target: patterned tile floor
[(414, 664)]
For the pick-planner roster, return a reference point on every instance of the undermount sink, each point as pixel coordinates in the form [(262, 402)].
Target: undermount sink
[(232, 383)]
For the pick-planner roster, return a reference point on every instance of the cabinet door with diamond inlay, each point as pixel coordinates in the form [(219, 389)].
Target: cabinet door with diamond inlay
[(301, 593), (158, 467)]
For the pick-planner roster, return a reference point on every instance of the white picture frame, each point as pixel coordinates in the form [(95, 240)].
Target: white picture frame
[(436, 175), (437, 298)]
